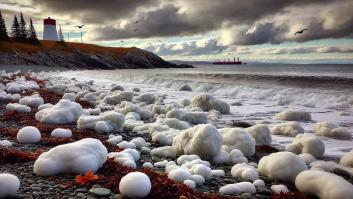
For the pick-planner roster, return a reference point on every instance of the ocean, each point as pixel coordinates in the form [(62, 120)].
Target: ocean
[(262, 90)]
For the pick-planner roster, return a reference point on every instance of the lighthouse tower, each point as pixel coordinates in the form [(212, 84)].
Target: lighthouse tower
[(50, 32)]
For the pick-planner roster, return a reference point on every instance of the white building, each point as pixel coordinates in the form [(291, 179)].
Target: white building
[(50, 32)]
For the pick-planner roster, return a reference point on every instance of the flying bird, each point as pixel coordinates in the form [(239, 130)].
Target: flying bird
[(300, 31), (80, 26)]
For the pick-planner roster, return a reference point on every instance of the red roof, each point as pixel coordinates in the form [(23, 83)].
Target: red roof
[(49, 21)]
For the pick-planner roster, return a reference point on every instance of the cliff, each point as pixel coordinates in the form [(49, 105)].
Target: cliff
[(79, 56)]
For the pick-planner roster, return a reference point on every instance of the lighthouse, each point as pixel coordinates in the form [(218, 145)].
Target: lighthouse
[(50, 32)]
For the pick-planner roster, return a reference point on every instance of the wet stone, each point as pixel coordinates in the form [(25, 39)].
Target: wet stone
[(100, 191)]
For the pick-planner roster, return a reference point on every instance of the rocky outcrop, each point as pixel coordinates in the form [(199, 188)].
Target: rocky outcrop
[(79, 58)]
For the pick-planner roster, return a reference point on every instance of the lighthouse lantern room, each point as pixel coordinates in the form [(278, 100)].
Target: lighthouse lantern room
[(50, 32)]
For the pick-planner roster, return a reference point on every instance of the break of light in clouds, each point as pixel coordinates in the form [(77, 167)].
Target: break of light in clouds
[(256, 30)]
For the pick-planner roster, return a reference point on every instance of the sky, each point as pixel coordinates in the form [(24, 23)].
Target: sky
[(204, 30)]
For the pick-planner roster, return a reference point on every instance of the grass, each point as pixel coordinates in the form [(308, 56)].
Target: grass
[(10, 46)]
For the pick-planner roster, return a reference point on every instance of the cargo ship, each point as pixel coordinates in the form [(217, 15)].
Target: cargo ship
[(228, 62)]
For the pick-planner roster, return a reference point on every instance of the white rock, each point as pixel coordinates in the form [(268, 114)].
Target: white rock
[(9, 185), (332, 131), (289, 115), (347, 159), (307, 143), (324, 185), (179, 175), (199, 180), (191, 117), (61, 133), (207, 102), (290, 129), (308, 158), (261, 134), (203, 140), (126, 145), (236, 156), (202, 170), (64, 112), (279, 188), (187, 158), (78, 157), (147, 98), (218, 173), (147, 165), (135, 185), (115, 140), (5, 143), (237, 138), (190, 184), (221, 158), (241, 187), (244, 172), (69, 96), (259, 183), (166, 151), (28, 135), (33, 101), (283, 166), (117, 98), (18, 107), (107, 122)]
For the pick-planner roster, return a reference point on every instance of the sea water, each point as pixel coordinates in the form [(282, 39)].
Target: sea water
[(326, 91)]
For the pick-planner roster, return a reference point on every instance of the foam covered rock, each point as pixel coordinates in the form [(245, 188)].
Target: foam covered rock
[(78, 157), (261, 134), (191, 117), (135, 185), (290, 129), (117, 98), (203, 140), (347, 159), (127, 157), (279, 188), (306, 143), (5, 143), (64, 112), (324, 185), (244, 172), (61, 133), (241, 187), (107, 122), (147, 98), (207, 102), (289, 115), (236, 138), (284, 166), (9, 185), (33, 101), (332, 131), (28, 135), (18, 107)]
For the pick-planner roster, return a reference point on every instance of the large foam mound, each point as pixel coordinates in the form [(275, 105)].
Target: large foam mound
[(283, 166), (290, 129), (9, 185), (78, 157), (107, 122), (293, 116), (127, 157), (28, 135), (241, 187), (117, 98), (306, 143), (203, 140), (64, 112), (135, 185), (332, 131), (347, 159), (237, 138), (324, 185), (261, 133), (207, 102), (191, 117)]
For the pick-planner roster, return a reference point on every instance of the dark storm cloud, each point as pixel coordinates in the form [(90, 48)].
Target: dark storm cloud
[(93, 11)]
